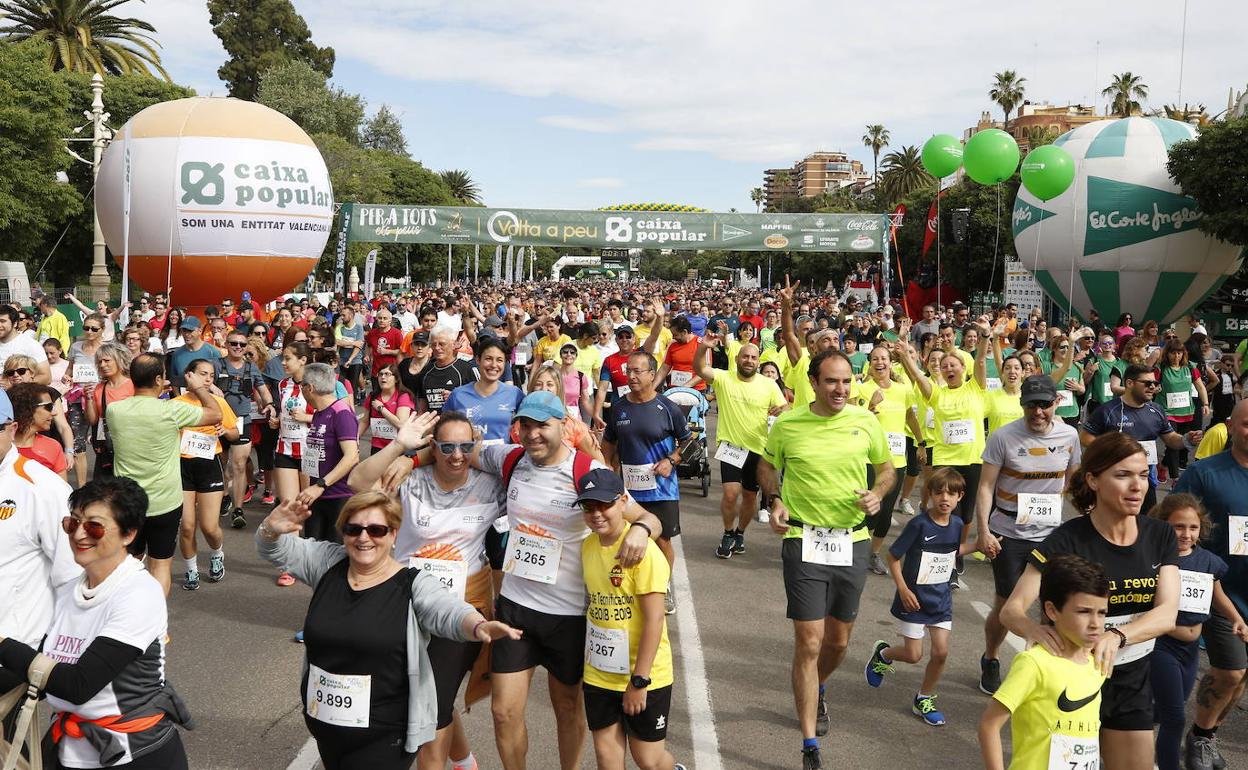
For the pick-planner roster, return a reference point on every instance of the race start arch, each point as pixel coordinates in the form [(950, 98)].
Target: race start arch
[(607, 229)]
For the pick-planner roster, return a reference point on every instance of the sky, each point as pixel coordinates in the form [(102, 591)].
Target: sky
[(567, 104)]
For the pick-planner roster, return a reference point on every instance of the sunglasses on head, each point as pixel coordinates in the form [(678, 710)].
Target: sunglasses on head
[(373, 530), (19, 371), (94, 529), (90, 328), (449, 447)]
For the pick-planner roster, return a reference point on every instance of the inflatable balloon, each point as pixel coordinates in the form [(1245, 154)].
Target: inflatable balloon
[(1047, 172), (1123, 235), (226, 196), (991, 156), (942, 154)]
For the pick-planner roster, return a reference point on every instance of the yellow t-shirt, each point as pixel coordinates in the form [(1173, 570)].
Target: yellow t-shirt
[(547, 349), (614, 606), (743, 407), (588, 359), (796, 378), (660, 347), (1037, 687), (891, 412), (1213, 442), (229, 420), (1003, 409), (959, 424)]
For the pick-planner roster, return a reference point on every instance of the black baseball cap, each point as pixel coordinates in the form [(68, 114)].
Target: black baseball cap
[(600, 485), (625, 329), (420, 338), (1038, 388)]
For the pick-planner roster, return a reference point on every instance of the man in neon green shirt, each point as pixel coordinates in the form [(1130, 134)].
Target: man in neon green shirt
[(54, 324), (823, 452)]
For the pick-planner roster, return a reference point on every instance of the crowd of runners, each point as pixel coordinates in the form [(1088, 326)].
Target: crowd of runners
[(477, 481)]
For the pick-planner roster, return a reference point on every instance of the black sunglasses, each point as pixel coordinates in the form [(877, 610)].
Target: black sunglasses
[(90, 328), (235, 344), (94, 529), (19, 371), (449, 447), (373, 530), (1041, 404), (49, 405), (1149, 383)]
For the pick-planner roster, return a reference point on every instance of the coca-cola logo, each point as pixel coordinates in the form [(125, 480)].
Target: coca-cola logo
[(863, 224)]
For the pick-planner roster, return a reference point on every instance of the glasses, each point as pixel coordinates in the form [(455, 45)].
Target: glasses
[(256, 332), (18, 372), (1149, 383), (236, 344), (638, 371), (1040, 404), (373, 530), (568, 352), (90, 328), (94, 529), (49, 405), (1063, 347), (450, 447)]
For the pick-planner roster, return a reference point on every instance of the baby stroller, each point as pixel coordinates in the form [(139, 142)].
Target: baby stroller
[(695, 462)]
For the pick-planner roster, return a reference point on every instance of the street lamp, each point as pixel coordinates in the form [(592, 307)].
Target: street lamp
[(101, 135)]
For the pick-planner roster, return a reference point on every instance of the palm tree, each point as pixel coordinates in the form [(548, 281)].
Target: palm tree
[(757, 196), (877, 139), (1007, 91), (461, 185), (1188, 114), (84, 36), (904, 172), (1123, 91), (1038, 136)]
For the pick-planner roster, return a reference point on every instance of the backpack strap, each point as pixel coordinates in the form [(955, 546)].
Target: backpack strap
[(581, 464), (509, 464)]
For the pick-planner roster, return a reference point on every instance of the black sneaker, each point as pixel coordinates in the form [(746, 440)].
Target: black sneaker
[(1219, 763), (821, 717), (216, 569), (227, 503), (238, 521), (724, 550), (989, 675), (191, 583), (738, 541), (1199, 753), (810, 759)]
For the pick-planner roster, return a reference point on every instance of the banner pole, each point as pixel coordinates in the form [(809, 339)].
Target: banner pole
[(125, 234), (448, 264)]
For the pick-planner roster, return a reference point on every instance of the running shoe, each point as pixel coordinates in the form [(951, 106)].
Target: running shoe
[(764, 515), (669, 601), (216, 569), (239, 520), (738, 541), (877, 667), (285, 580), (192, 580), (954, 582), (877, 565), (251, 491), (810, 759), (1219, 763), (907, 508), (726, 543), (822, 719), (989, 675), (1199, 753), (227, 503), (925, 708), (299, 636), (679, 766), (268, 498)]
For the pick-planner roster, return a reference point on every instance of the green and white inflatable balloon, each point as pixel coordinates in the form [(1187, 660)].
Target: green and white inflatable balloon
[(1123, 238)]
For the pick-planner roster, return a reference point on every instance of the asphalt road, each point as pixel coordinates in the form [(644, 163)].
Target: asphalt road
[(233, 659)]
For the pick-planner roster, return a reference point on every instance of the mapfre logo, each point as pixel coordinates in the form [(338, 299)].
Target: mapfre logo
[(7, 509)]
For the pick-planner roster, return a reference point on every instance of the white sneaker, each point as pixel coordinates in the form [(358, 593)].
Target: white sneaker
[(907, 508), (764, 515)]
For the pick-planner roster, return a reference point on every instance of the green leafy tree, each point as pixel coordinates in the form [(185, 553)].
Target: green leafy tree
[(83, 35), (1123, 90), (33, 102), (301, 93), (1007, 91), (757, 195), (904, 173), (1213, 169), (384, 132), (877, 139), (461, 186), (259, 35)]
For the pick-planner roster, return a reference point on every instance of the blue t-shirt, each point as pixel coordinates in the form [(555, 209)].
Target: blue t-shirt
[(644, 434), (1221, 484), (182, 357), (731, 321), (1142, 423), (920, 535), (492, 415), (698, 324), (1200, 560), (349, 356)]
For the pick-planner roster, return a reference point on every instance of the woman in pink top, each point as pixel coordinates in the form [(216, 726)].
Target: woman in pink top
[(389, 408)]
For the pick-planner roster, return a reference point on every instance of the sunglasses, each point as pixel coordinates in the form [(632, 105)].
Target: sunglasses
[(1041, 404), (20, 372), (255, 332), (449, 447), (49, 405), (94, 529), (1149, 383), (373, 530), (90, 328), (235, 344)]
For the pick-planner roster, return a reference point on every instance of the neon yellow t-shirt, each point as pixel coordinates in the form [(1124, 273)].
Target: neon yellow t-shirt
[(1037, 682), (891, 412), (588, 359), (660, 347), (824, 459), (743, 407), (615, 606), (959, 424), (1213, 442), (1003, 409), (798, 381), (547, 349)]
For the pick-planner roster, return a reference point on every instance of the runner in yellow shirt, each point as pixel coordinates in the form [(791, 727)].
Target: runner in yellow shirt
[(547, 348)]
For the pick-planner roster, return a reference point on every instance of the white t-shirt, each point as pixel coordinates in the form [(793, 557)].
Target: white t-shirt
[(407, 320), (35, 555), (448, 525), (25, 345)]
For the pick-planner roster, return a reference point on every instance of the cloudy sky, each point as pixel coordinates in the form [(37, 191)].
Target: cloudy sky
[(568, 104)]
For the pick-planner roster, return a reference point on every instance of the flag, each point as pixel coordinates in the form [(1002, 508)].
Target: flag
[(125, 227), (509, 270), (930, 236), (370, 273)]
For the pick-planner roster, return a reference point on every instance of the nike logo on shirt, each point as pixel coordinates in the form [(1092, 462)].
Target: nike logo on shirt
[(1066, 704), (928, 537)]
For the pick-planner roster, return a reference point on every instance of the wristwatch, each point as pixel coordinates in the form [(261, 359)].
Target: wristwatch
[(639, 682), (321, 483)]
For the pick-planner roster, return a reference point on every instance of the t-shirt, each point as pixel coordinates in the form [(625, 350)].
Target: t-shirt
[(743, 407), (229, 421), (238, 384), (897, 402), (1048, 695), (824, 459), (660, 345), (397, 400), (435, 383), (644, 434), (587, 360), (615, 618), (25, 345), (347, 355), (147, 433), (1003, 408), (921, 540), (492, 414), (613, 373), (796, 377), (384, 346), (697, 323), (1030, 463), (547, 349), (46, 452), (1143, 423), (959, 424), (330, 426), (1099, 387), (438, 524), (1221, 483), (679, 359), (1201, 562), (183, 356), (1212, 442)]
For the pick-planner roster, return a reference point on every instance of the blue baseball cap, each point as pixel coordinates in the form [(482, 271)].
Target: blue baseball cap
[(190, 322), (600, 485), (6, 408), (541, 405)]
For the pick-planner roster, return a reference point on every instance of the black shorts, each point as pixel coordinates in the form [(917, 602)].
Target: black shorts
[(1008, 565), (1226, 650), (1127, 697), (244, 435), (286, 461), (818, 591), (746, 475), (451, 661), (913, 467), (158, 537), (668, 514), (199, 474), (604, 708), (554, 641)]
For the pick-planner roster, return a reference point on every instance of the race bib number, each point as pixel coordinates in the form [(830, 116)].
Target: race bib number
[(1039, 510), (1150, 451), (732, 454), (523, 351), (1065, 398), (994, 383), (1131, 652), (936, 568), (1106, 393), (196, 444), (1066, 752), (86, 374), (680, 379), (897, 444), (338, 699), (533, 557), (958, 432), (1195, 592), (623, 390), (832, 547), (639, 478), (1237, 536), (1181, 400), (606, 649), (866, 348), (771, 420), (293, 430), (380, 427), (453, 575), (931, 418), (310, 461), (1228, 385)]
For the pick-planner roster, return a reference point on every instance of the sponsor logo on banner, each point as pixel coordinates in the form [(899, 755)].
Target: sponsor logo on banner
[(862, 242), (1026, 215), (1121, 214), (775, 241)]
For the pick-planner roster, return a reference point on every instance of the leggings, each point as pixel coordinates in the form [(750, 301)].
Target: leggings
[(360, 748), (266, 447), (1173, 675), (1176, 458), (881, 522), (965, 509)]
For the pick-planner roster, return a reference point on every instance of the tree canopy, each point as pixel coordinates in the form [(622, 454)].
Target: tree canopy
[(301, 93), (259, 35), (383, 131), (1213, 169), (84, 36)]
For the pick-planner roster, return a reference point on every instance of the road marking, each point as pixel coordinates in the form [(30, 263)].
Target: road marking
[(307, 758), (697, 689), (1014, 641)]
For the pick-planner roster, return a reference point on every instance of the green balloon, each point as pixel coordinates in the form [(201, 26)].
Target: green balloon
[(942, 154), (1048, 171), (991, 156)]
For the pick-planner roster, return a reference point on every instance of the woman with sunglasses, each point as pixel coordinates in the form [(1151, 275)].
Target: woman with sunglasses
[(578, 394), (33, 408), (1067, 375), (1104, 373), (369, 687), (1181, 386), (389, 408), (113, 363), (110, 315), (243, 387), (112, 704)]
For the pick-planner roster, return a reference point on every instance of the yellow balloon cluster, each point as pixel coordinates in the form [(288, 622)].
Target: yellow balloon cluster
[(654, 207)]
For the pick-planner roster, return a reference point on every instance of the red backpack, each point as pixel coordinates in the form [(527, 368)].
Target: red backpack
[(581, 464)]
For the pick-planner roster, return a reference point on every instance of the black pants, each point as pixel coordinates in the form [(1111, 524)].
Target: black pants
[(1175, 459), (323, 523), (881, 522), (353, 748), (266, 448)]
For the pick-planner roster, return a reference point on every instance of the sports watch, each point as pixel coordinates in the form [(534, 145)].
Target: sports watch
[(639, 682)]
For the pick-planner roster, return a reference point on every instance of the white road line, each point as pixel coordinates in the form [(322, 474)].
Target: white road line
[(1014, 641), (307, 758), (697, 689)]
